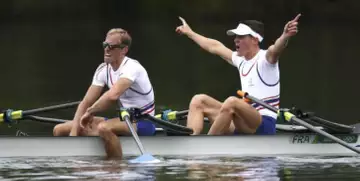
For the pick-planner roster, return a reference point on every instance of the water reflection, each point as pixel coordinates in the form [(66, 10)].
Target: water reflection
[(182, 168)]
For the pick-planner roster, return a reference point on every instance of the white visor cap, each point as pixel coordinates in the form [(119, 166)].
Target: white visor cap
[(244, 29)]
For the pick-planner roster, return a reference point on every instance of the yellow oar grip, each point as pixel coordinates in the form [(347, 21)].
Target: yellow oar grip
[(287, 115), (169, 116), (172, 115), (1, 117), (14, 115), (124, 113)]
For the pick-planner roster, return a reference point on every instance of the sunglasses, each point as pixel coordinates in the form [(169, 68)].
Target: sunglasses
[(111, 47)]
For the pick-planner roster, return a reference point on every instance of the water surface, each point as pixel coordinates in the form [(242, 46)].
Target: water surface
[(182, 168)]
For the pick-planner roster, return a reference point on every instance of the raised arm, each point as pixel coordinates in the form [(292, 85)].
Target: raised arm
[(208, 44), (275, 50), (92, 94)]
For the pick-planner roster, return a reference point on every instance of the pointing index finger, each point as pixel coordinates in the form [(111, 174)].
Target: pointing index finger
[(296, 18), (182, 20)]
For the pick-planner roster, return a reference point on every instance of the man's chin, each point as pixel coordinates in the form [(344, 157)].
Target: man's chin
[(239, 54), (107, 60)]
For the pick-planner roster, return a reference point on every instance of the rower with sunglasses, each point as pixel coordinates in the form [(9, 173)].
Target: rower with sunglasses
[(128, 83)]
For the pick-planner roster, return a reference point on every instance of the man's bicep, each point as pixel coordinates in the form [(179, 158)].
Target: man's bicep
[(100, 75), (131, 72), (221, 50), (271, 55)]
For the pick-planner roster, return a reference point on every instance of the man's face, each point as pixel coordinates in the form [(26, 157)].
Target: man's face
[(112, 48), (243, 44)]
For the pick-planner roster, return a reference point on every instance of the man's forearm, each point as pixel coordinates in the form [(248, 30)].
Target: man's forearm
[(280, 44), (204, 42), (76, 121), (102, 103)]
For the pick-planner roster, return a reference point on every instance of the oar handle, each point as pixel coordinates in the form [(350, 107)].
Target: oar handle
[(171, 115), (242, 93), (249, 98)]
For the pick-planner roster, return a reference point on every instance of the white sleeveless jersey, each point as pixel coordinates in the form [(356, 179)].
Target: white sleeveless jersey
[(139, 95), (260, 79)]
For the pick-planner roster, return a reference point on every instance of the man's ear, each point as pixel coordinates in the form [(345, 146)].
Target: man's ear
[(125, 50), (256, 41)]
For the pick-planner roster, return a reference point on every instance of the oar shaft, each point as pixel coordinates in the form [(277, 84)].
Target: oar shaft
[(126, 117), (45, 119), (290, 117), (50, 108), (262, 103), (182, 113), (312, 128)]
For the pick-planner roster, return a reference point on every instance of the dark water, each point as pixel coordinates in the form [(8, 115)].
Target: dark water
[(183, 168)]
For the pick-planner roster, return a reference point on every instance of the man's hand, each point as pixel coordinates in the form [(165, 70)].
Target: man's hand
[(290, 28), (86, 120), (184, 28)]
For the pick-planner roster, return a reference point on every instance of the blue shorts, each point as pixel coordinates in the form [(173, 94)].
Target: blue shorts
[(267, 127), (144, 127)]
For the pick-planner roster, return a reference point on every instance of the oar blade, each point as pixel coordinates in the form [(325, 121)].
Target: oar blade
[(145, 158)]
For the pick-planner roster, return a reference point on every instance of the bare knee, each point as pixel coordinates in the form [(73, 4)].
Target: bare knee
[(59, 130), (56, 130), (103, 128), (229, 105), (198, 101)]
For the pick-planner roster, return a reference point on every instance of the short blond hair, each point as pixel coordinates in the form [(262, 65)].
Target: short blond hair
[(124, 36)]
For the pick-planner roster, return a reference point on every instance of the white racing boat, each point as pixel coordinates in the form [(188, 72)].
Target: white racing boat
[(306, 139), (286, 142)]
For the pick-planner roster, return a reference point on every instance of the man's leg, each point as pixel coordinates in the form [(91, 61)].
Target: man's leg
[(108, 131), (245, 118), (62, 129), (201, 106)]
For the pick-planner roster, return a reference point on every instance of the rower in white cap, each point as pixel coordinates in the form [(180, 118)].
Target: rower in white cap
[(259, 75)]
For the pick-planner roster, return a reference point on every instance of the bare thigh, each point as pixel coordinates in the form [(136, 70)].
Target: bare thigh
[(246, 118), (211, 108)]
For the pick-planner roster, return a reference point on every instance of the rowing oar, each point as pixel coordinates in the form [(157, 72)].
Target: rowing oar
[(45, 119), (144, 157), (174, 115), (292, 118), (167, 124), (9, 115)]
